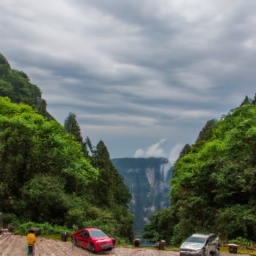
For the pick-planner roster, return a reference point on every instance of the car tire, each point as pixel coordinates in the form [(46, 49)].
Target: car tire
[(74, 242), (91, 248)]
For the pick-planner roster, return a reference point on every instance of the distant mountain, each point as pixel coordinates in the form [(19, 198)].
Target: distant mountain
[(148, 180)]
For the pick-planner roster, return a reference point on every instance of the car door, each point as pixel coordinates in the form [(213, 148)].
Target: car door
[(211, 245), (86, 239), (81, 239)]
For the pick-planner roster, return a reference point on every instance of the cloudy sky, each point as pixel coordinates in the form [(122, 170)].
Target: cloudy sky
[(144, 76)]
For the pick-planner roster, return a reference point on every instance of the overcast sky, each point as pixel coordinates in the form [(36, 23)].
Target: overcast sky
[(144, 76)]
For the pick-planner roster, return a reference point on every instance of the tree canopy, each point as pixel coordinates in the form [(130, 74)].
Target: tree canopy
[(30, 146)]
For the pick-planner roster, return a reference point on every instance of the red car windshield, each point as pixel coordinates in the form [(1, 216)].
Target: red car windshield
[(97, 233)]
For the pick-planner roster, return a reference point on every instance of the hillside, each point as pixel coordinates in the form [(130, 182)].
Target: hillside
[(17, 86), (46, 172), (214, 182)]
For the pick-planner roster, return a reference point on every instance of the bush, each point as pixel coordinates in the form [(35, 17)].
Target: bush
[(46, 228), (242, 242)]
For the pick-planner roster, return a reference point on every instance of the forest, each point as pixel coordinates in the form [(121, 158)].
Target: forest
[(214, 182), (48, 172)]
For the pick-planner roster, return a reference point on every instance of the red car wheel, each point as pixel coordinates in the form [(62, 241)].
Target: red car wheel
[(91, 248)]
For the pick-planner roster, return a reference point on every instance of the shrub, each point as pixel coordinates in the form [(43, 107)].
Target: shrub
[(46, 228), (241, 241)]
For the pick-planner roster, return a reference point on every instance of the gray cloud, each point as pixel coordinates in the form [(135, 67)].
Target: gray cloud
[(135, 72)]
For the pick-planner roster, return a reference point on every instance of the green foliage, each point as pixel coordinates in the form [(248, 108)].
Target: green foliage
[(161, 226), (207, 131), (242, 242), (105, 205), (214, 183), (16, 85), (44, 196), (213, 187), (34, 154), (72, 127), (185, 150), (46, 170), (10, 218), (46, 228), (40, 163), (109, 193)]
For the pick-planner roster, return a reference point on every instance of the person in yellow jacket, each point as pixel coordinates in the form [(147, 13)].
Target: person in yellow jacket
[(31, 239)]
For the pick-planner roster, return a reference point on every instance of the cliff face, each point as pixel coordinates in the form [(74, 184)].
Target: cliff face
[(148, 180)]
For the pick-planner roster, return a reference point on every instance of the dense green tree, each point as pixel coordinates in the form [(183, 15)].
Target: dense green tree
[(71, 126), (184, 150), (161, 226), (31, 145), (109, 188), (89, 146), (218, 176), (6, 89), (103, 202), (44, 196), (207, 131), (214, 186)]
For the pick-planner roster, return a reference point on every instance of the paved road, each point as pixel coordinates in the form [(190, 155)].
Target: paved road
[(14, 245)]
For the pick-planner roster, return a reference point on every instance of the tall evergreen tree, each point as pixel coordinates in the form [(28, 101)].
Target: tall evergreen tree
[(109, 189), (185, 150), (104, 186), (71, 126), (206, 132), (245, 101)]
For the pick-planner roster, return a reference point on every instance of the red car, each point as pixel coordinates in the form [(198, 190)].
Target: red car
[(93, 239)]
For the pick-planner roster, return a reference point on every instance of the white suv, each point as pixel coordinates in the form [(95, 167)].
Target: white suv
[(200, 245)]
